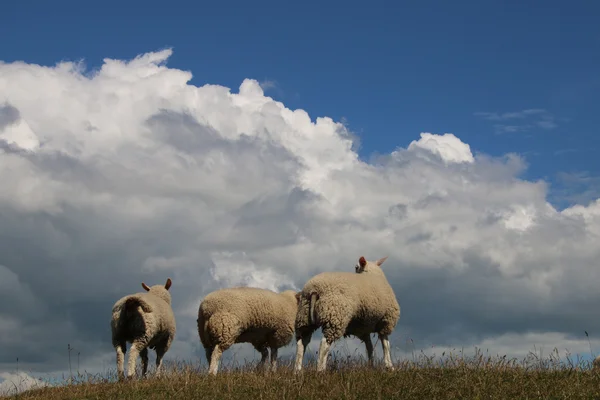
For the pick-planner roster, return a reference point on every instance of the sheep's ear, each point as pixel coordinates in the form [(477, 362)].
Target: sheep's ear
[(381, 260), (145, 287), (362, 262), (168, 284), (298, 296)]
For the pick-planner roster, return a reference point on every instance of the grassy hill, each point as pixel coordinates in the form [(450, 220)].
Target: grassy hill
[(475, 378)]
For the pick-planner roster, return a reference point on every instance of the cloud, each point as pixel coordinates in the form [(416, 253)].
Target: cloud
[(15, 131), (574, 188), (492, 116), (519, 121), (8, 116), (448, 147), (131, 174), (268, 84), (13, 384)]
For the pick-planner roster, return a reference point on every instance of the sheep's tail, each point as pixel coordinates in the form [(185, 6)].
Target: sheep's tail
[(202, 323), (312, 318), (220, 327), (133, 303), (128, 320)]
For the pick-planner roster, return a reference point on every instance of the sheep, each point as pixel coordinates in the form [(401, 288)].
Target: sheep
[(344, 304), (260, 317), (145, 320)]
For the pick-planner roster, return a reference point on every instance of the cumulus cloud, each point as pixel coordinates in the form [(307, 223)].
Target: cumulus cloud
[(131, 174), (448, 147)]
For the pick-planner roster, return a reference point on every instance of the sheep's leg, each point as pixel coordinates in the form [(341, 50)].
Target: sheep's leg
[(274, 351), (302, 342), (323, 354), (387, 357), (264, 352), (121, 349), (332, 331), (214, 360), (144, 355), (160, 353), (134, 352), (369, 345), (208, 351), (264, 355)]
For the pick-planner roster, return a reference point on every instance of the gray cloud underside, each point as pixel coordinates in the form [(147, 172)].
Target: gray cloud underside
[(133, 175)]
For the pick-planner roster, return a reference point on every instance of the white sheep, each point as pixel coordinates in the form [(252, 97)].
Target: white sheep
[(346, 303), (145, 320), (246, 315)]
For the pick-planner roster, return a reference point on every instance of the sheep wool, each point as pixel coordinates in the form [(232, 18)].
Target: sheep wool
[(146, 320), (246, 315), (344, 304)]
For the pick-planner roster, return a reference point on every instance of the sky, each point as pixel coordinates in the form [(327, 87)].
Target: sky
[(261, 143)]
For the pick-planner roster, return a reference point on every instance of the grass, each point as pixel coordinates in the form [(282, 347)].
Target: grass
[(446, 377)]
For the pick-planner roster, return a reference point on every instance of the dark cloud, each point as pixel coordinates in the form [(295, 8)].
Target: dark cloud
[(8, 115)]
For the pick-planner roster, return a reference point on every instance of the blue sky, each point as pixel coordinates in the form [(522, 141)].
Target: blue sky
[(391, 70)]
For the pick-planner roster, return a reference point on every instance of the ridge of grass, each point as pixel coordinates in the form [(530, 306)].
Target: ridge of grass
[(447, 377)]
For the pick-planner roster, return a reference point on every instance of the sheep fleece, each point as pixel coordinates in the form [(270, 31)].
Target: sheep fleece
[(156, 322), (243, 314), (349, 304)]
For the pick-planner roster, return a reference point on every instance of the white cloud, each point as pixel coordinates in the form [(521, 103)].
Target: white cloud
[(16, 383), (447, 146), (531, 347), (21, 135), (237, 270), (520, 218), (139, 175)]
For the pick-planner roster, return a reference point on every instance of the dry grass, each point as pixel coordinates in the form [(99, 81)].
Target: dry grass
[(448, 377)]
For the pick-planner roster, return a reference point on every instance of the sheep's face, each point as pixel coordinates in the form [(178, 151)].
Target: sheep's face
[(368, 266), (161, 291)]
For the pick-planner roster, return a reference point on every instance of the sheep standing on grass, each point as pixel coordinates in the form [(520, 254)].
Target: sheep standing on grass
[(246, 315), (145, 320), (346, 303)]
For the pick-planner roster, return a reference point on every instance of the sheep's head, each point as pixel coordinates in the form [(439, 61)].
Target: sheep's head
[(369, 266), (161, 291)]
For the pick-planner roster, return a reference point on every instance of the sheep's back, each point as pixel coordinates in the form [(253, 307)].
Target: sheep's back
[(370, 297), (255, 307), (160, 313), (163, 310), (339, 282)]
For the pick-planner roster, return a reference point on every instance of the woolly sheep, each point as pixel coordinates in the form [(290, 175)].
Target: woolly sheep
[(344, 304), (145, 320), (246, 315)]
